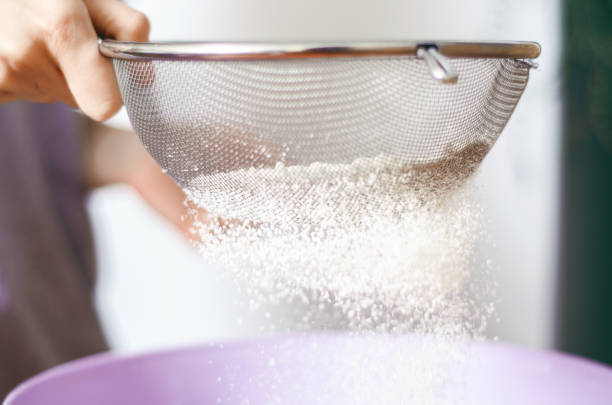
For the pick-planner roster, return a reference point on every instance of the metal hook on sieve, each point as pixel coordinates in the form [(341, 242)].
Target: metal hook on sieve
[(439, 66)]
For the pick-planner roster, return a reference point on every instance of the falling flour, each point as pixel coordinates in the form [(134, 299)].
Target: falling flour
[(377, 245)]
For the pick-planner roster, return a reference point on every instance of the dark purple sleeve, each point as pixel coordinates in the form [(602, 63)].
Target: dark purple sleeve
[(46, 251)]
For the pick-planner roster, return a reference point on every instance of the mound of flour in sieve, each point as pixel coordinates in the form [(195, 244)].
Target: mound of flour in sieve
[(375, 245), (320, 193)]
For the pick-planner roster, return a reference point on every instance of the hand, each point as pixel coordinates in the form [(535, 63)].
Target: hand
[(49, 51)]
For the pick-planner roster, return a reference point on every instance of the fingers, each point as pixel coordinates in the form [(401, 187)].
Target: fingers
[(49, 51), (113, 19), (73, 43), (62, 90), (27, 71), (7, 97)]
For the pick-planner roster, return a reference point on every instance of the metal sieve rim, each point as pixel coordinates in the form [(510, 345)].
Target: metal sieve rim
[(209, 51)]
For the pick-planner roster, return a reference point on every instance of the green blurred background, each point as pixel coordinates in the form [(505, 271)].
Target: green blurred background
[(584, 324)]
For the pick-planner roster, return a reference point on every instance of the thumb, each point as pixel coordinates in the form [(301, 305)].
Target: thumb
[(115, 20)]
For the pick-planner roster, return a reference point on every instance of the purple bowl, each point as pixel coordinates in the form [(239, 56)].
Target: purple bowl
[(317, 369)]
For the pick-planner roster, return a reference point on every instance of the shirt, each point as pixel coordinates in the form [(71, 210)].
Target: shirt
[(47, 264)]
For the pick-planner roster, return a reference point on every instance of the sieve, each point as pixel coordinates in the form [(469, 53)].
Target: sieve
[(204, 110)]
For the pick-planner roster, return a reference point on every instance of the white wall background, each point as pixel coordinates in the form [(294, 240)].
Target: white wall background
[(154, 291)]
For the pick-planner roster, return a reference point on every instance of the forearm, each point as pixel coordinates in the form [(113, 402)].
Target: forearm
[(112, 156), (115, 156)]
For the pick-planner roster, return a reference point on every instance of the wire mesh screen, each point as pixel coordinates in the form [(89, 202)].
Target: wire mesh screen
[(203, 120)]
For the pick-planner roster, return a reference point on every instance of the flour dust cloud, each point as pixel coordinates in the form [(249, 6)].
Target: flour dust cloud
[(377, 246)]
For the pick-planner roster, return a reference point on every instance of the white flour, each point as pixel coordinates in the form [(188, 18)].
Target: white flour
[(379, 244), (376, 245)]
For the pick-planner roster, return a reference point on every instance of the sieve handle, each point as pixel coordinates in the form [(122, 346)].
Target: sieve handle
[(439, 66)]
